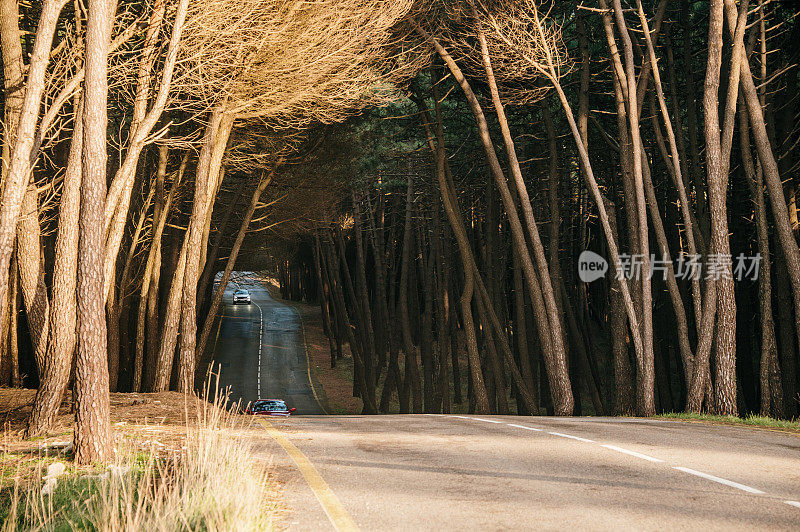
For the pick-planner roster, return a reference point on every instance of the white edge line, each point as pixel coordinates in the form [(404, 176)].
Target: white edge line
[(484, 420), (793, 503), (524, 427), (571, 437), (632, 453), (461, 417), (726, 482)]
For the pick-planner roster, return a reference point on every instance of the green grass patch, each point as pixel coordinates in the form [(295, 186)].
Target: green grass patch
[(753, 421)]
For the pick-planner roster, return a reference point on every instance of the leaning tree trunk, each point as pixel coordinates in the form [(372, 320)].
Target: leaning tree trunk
[(553, 354), (93, 441), (770, 372), (31, 274), (558, 374), (772, 177), (451, 208), (208, 169), (211, 316), (13, 95), (19, 166), (63, 317)]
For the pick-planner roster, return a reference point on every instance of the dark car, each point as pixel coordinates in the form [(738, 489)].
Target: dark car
[(269, 407)]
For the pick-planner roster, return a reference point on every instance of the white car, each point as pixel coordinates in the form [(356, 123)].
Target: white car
[(241, 296)]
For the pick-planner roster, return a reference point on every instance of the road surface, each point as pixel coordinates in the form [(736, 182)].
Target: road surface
[(431, 472), (428, 472), (259, 349)]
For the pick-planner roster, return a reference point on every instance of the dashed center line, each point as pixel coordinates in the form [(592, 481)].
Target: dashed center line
[(571, 437), (260, 343), (726, 482), (485, 420), (524, 427), (632, 453), (687, 470)]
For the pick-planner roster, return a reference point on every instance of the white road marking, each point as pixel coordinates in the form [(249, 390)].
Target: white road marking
[(524, 427), (726, 482), (462, 417), (793, 503), (260, 341), (485, 420), (571, 437), (632, 453)]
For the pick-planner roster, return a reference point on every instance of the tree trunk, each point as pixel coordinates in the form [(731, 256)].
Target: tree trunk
[(207, 170), (93, 440), (63, 317), (725, 339), (211, 316), (772, 176), (370, 355), (553, 352), (31, 274), (17, 176), (769, 374), (450, 202)]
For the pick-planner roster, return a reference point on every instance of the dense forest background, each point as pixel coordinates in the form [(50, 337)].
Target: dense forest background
[(389, 267), (430, 172)]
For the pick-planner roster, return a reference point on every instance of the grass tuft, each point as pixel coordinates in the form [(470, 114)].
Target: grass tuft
[(211, 484)]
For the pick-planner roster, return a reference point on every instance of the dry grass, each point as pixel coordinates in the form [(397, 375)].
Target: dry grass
[(200, 474)]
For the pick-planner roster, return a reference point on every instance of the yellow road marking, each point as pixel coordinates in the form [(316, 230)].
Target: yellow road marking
[(308, 360), (337, 514), (275, 346)]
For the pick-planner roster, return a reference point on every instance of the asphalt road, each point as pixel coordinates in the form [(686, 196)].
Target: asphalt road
[(426, 472), (259, 349), (430, 472)]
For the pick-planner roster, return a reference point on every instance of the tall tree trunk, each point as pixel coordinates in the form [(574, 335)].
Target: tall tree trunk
[(63, 317), (409, 348), (208, 169), (117, 302), (31, 275), (450, 202), (552, 348), (17, 174), (370, 355), (645, 372), (171, 325), (772, 176), (559, 377), (769, 374), (717, 168), (93, 441)]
